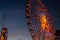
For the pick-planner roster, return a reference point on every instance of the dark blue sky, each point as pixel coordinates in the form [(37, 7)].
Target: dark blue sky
[(16, 21), (54, 9)]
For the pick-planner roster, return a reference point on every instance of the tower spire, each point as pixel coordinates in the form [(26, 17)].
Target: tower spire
[(3, 19)]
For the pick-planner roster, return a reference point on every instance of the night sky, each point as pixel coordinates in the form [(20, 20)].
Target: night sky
[(16, 21)]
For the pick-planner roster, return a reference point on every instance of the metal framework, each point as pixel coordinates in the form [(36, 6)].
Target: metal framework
[(39, 21), (4, 30)]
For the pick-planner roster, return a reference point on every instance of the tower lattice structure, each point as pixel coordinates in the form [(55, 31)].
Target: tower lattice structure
[(4, 30)]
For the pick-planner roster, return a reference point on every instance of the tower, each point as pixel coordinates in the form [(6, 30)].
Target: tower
[(4, 30)]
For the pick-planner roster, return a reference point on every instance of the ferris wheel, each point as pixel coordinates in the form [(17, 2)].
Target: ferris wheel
[(39, 21)]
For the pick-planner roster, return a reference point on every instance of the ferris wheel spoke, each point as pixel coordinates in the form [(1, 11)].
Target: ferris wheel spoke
[(39, 20)]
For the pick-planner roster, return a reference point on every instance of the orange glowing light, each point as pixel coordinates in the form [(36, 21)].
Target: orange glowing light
[(44, 24), (43, 21), (2, 38)]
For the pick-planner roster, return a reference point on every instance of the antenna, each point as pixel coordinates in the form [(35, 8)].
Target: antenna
[(3, 19)]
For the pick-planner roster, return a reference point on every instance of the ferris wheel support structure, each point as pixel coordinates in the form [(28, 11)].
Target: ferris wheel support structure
[(39, 20)]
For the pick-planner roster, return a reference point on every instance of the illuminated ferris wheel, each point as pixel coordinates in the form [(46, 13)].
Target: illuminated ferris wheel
[(39, 21)]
